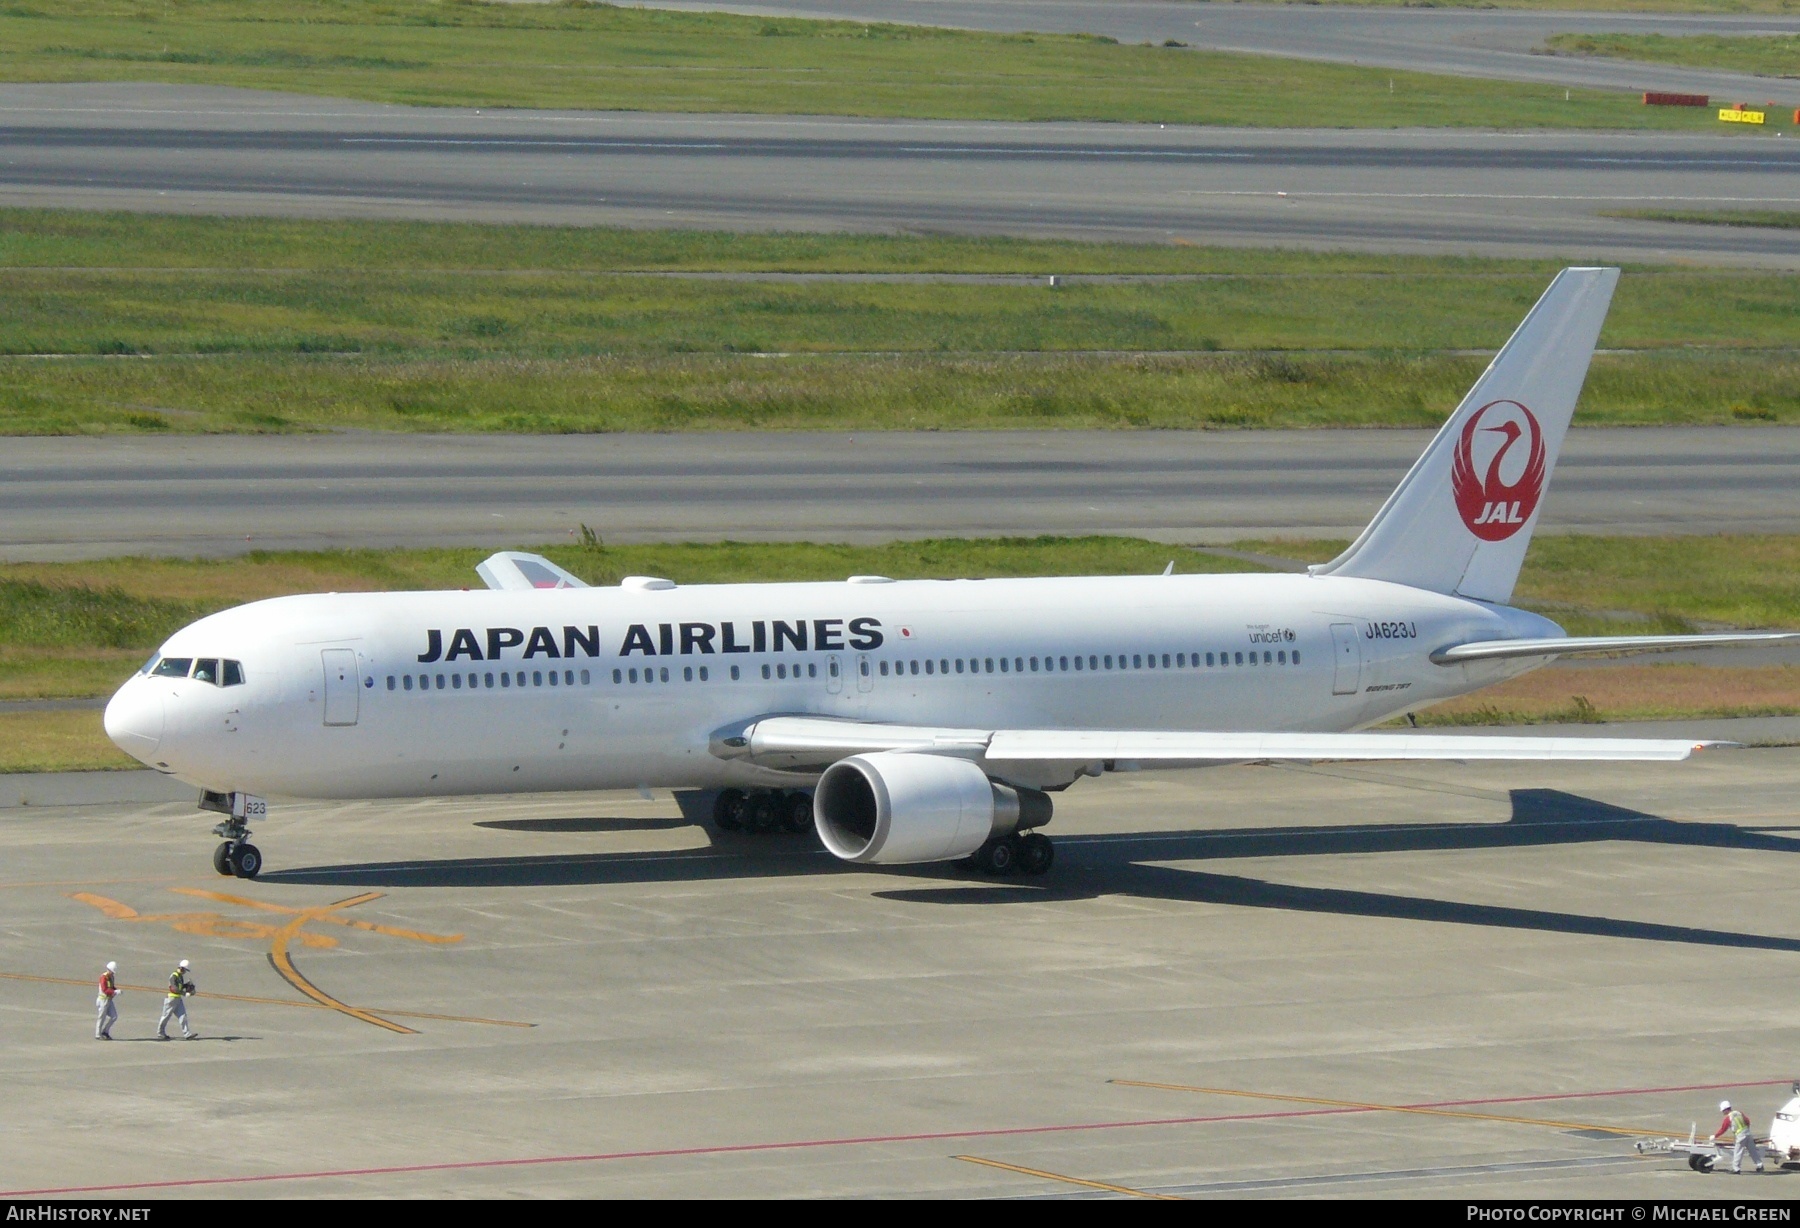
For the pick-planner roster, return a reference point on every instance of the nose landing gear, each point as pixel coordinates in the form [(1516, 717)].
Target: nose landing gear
[(236, 856)]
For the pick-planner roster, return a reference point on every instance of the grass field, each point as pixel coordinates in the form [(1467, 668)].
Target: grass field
[(1768, 55), (112, 322), (579, 55), (78, 629)]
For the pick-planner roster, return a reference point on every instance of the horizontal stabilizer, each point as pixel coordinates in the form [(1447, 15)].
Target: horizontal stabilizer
[(514, 569), (1563, 646), (807, 742)]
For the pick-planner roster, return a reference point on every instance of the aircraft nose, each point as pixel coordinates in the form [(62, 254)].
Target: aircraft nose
[(134, 720)]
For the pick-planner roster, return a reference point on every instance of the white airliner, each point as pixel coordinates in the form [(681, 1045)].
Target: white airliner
[(907, 721)]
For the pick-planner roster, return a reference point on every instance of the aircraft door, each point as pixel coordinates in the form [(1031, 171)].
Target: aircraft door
[(834, 675), (865, 674), (1346, 676), (341, 698)]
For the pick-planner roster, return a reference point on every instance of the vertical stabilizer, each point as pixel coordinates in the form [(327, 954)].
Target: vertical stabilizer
[(1460, 520)]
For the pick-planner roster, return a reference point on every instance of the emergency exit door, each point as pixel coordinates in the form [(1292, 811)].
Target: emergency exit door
[(341, 698), (1346, 675)]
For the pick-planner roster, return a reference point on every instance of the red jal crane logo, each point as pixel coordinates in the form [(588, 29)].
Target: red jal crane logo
[(1493, 508)]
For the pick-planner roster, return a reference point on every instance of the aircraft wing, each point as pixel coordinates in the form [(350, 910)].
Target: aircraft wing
[(810, 742), (1562, 646), (514, 569)]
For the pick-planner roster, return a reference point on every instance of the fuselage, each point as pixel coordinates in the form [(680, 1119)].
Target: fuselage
[(430, 693)]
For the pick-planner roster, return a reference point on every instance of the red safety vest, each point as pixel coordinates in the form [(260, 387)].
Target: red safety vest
[(107, 988)]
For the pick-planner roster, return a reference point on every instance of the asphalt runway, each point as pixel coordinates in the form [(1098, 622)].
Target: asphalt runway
[(63, 498), (1225, 979), (199, 150), (1461, 42)]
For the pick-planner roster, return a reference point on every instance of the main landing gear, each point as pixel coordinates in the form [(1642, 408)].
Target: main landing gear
[(763, 810), (236, 856), (1026, 852)]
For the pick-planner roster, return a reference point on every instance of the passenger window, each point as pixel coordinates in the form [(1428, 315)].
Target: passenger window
[(633, 675), (584, 677), (406, 680), (1268, 659), (537, 677), (734, 673), (781, 671), (392, 682), (928, 666), (616, 677), (1281, 657), (959, 665), (987, 664), (914, 668), (687, 673), (1296, 656), (1109, 661), (552, 677), (703, 673), (234, 675), (1137, 661), (173, 667), (456, 681), (1165, 660), (765, 673), (1062, 663), (1240, 659), (440, 679), (884, 672)]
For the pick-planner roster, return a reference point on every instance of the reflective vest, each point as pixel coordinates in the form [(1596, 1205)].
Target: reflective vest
[(107, 987), (1740, 1125), (177, 983)]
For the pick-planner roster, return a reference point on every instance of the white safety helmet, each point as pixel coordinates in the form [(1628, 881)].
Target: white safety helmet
[(111, 967), (1724, 1106), (182, 964)]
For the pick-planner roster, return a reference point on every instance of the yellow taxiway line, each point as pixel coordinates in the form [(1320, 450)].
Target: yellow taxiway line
[(238, 997), (1393, 1108), (1063, 1177)]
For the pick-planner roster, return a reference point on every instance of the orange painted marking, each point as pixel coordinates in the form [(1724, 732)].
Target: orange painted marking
[(281, 938), (1063, 1177), (1391, 1108), (287, 1002)]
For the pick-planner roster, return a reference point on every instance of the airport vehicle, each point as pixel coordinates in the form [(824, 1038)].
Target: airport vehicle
[(1781, 1147), (914, 721)]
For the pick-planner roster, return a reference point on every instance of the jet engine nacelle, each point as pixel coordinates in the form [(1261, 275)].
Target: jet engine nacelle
[(890, 808)]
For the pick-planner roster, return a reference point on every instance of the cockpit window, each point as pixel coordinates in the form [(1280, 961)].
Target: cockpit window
[(151, 663), (234, 674), (172, 667), (206, 669)]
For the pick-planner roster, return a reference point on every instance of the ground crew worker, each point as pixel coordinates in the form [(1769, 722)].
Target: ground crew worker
[(174, 1006), (1743, 1140), (108, 1010)]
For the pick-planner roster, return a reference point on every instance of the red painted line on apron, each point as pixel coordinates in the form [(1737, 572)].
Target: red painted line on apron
[(849, 1141)]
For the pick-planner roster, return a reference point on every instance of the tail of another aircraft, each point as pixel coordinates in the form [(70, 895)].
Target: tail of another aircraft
[(1459, 522)]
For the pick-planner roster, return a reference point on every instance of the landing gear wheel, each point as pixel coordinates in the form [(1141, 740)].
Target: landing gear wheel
[(246, 861), (728, 810), (796, 812), (996, 857), (222, 859), (1701, 1164), (1036, 853), (759, 813)]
